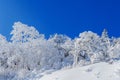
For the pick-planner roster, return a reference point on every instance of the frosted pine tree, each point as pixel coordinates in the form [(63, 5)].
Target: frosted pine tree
[(105, 43)]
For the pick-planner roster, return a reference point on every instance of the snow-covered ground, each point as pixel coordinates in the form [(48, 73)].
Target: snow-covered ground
[(98, 71)]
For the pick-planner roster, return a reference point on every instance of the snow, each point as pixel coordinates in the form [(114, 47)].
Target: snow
[(98, 71), (30, 56)]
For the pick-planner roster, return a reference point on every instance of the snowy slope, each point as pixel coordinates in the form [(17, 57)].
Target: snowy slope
[(98, 71)]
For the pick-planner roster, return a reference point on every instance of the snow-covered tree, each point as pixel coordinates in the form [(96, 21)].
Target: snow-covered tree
[(114, 49), (105, 43), (85, 46), (59, 41), (4, 51), (3, 39), (23, 33)]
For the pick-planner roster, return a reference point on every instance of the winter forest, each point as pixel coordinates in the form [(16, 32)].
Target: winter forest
[(29, 50)]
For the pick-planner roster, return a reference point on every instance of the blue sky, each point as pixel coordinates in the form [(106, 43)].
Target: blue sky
[(68, 17)]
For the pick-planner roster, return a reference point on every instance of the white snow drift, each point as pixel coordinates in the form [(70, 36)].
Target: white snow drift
[(98, 71)]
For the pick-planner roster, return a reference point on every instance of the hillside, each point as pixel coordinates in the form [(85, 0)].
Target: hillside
[(98, 71), (30, 56)]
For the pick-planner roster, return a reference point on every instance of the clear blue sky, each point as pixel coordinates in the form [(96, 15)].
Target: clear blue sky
[(68, 17)]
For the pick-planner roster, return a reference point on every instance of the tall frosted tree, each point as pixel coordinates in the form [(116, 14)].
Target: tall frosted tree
[(105, 43), (104, 34), (85, 46), (26, 39), (24, 33)]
